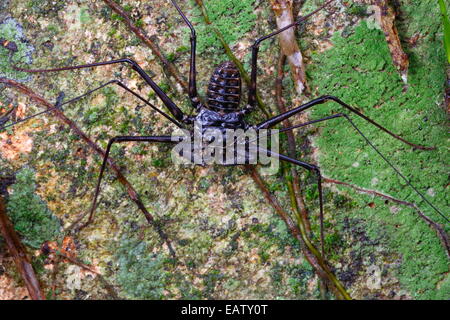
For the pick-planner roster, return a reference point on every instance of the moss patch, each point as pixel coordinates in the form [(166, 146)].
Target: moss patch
[(141, 274), (29, 214), (359, 70), (234, 18)]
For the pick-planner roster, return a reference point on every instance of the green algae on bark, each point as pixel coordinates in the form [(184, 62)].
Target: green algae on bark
[(233, 18), (29, 213), (362, 59), (140, 273)]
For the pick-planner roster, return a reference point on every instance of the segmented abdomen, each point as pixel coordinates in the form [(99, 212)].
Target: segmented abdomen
[(224, 89)]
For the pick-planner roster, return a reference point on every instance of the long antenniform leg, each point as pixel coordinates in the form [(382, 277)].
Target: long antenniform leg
[(173, 108), (319, 177), (193, 95), (121, 139), (277, 119), (60, 104)]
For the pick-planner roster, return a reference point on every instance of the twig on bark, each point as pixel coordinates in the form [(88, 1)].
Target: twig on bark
[(18, 252), (6, 116), (386, 20), (437, 227), (447, 91), (54, 274), (126, 184), (112, 292), (311, 253), (294, 186), (296, 196), (288, 43), (167, 65)]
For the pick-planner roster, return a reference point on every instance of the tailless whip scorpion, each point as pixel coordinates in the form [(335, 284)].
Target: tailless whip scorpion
[(222, 111)]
